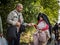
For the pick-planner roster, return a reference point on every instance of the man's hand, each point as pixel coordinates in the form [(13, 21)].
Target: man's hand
[(31, 24), (18, 24)]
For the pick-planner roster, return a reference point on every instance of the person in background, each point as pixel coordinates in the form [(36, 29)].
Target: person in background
[(3, 41), (56, 28), (53, 38), (1, 29)]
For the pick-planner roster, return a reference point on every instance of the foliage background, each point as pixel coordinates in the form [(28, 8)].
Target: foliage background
[(30, 12)]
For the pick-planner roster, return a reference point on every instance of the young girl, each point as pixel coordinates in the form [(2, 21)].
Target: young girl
[(42, 35)]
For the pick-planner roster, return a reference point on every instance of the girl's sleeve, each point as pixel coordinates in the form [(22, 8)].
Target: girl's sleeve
[(46, 27), (35, 26)]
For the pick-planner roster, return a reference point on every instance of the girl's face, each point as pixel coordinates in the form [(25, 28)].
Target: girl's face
[(41, 18)]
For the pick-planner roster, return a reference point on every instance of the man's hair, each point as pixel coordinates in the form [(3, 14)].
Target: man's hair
[(19, 4)]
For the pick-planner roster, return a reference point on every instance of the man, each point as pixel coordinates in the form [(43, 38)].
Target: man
[(15, 19)]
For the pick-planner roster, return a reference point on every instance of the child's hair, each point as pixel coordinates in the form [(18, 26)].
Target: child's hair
[(40, 15), (44, 16)]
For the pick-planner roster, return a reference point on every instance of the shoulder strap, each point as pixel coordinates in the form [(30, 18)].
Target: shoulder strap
[(18, 16), (16, 12)]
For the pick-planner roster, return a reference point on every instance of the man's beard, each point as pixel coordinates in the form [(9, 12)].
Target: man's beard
[(19, 10)]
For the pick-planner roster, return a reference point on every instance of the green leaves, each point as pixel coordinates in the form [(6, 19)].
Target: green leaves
[(51, 9)]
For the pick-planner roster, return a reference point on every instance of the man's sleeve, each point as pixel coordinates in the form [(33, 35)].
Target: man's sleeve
[(10, 19)]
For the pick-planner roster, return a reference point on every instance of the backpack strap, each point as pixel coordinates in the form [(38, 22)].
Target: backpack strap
[(18, 16)]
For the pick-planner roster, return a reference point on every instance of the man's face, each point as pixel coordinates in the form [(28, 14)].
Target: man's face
[(19, 8)]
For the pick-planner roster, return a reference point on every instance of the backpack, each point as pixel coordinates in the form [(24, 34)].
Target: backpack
[(3, 41)]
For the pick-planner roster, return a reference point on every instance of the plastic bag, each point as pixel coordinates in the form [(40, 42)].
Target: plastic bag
[(3, 41)]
